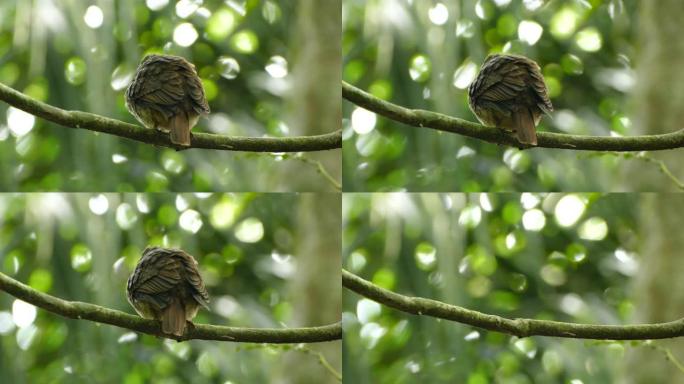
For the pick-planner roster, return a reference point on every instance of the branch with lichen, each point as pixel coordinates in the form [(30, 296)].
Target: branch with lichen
[(93, 122), (427, 119), (515, 327), (96, 313)]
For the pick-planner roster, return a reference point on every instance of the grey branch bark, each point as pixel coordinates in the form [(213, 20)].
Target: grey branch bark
[(93, 122), (516, 327), (427, 119), (96, 313)]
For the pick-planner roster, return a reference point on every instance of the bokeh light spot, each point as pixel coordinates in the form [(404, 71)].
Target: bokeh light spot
[(589, 39), (220, 25), (363, 121), (6, 323), (594, 229), (568, 210), (439, 14), (224, 213), (190, 221), (529, 31), (19, 122), (533, 5), (185, 34), (245, 42), (75, 71), (250, 230), (23, 313), (367, 310), (228, 67), (425, 256), (93, 17), (564, 23), (81, 258), (126, 216), (277, 67), (534, 220), (121, 77), (464, 75), (470, 216), (98, 204), (156, 5), (420, 68), (185, 8)]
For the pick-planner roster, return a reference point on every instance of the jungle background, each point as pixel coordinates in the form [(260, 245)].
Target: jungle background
[(256, 253), (584, 258), (262, 71), (607, 64)]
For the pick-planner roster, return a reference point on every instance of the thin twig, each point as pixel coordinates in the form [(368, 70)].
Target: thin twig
[(516, 327), (93, 122), (302, 348), (427, 119), (663, 168), (670, 356), (96, 313), (320, 169), (321, 359)]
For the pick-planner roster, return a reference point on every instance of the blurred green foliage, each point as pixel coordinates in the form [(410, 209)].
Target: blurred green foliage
[(542, 256), (423, 54), (75, 55), (84, 246)]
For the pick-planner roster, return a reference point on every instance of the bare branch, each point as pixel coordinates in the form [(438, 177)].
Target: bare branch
[(321, 170), (93, 122), (304, 349), (663, 168), (516, 327), (96, 313), (428, 119)]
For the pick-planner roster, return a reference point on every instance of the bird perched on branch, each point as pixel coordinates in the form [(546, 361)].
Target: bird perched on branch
[(166, 94), (167, 286), (510, 93)]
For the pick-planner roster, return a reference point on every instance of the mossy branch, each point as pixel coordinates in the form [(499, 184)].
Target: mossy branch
[(93, 122), (438, 121), (96, 313), (516, 327)]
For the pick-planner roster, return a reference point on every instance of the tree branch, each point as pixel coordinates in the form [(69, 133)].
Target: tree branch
[(438, 121), (304, 349), (516, 327), (663, 168), (92, 312), (93, 122), (321, 170)]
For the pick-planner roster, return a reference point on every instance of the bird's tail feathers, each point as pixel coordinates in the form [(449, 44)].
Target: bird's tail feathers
[(173, 318), (179, 128), (525, 129)]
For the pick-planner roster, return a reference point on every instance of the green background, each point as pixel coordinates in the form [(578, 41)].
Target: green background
[(487, 252), (49, 52), (247, 247), (404, 54)]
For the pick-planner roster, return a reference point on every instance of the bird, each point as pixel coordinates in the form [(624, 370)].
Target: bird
[(167, 286), (509, 92), (166, 94)]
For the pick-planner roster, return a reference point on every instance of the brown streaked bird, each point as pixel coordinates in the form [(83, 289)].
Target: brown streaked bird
[(167, 286), (166, 94), (510, 93)]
